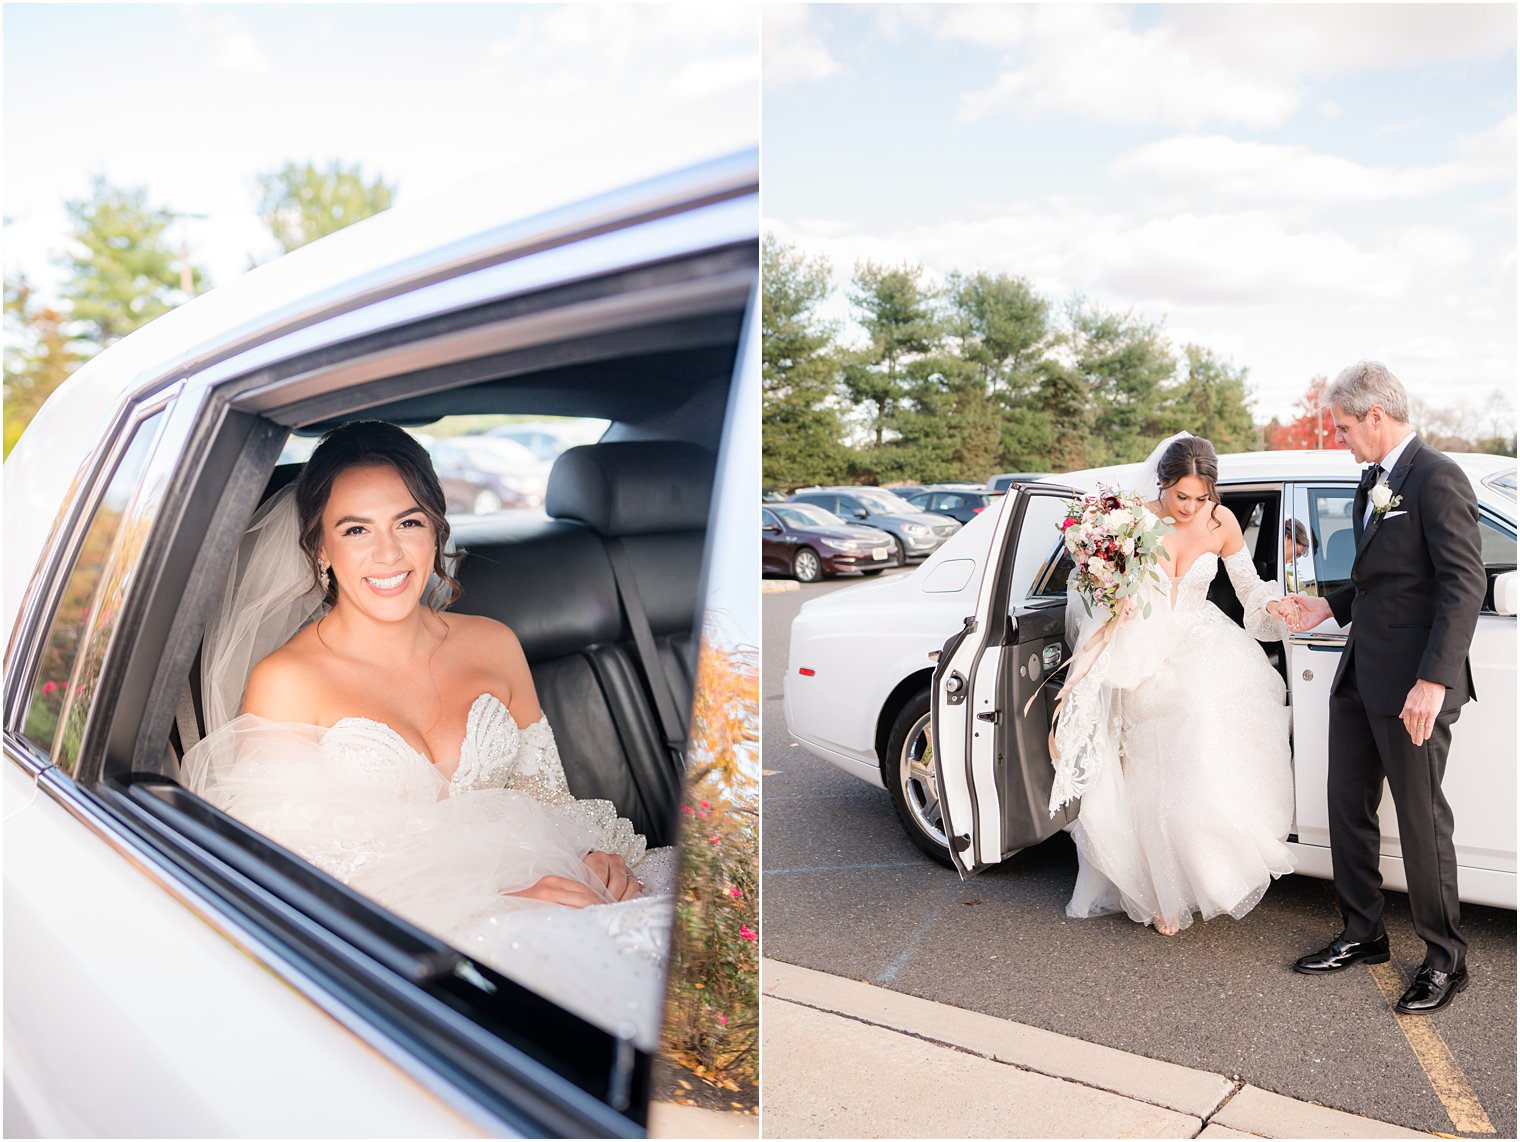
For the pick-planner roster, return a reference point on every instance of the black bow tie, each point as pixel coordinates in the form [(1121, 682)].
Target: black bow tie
[(1369, 478)]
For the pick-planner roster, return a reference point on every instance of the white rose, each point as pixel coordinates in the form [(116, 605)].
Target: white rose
[(1120, 518), (1128, 547), (1380, 495)]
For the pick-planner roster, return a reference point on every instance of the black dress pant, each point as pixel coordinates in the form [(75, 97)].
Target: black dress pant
[(1364, 749)]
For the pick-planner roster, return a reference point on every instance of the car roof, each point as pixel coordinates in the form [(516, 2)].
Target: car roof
[(397, 250)]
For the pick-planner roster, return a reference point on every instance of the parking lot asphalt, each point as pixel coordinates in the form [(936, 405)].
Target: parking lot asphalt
[(845, 892)]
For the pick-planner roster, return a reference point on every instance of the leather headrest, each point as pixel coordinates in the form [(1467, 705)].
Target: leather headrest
[(633, 487)]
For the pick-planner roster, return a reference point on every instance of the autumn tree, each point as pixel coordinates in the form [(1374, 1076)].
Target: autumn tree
[(39, 355), (1311, 426), (302, 202)]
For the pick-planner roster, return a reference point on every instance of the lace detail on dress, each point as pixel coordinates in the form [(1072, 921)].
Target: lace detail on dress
[(1254, 594)]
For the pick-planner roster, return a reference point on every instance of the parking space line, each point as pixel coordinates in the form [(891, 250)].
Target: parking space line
[(841, 867), (1435, 1058), (889, 974)]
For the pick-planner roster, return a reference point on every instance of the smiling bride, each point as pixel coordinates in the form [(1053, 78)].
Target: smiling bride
[(401, 748)]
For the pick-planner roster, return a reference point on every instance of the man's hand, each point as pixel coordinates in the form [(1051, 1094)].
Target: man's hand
[(1421, 708), (560, 890), (1312, 610), (614, 873)]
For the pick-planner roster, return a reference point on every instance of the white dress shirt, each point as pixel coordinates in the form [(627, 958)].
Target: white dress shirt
[(1387, 464)]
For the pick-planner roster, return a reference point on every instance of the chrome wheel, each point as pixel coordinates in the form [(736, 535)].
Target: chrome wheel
[(915, 774), (806, 566)]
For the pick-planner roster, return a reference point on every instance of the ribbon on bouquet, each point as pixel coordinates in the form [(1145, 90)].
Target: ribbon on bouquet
[(1081, 662)]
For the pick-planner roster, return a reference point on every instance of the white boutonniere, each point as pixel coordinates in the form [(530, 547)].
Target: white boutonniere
[(1383, 499)]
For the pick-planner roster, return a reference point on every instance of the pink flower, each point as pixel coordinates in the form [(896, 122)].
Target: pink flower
[(714, 840), (748, 933), (687, 809), (705, 805), (723, 1019), (49, 687), (1068, 522), (736, 894)]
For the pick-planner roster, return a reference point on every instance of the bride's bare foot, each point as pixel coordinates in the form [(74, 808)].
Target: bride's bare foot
[(1163, 927)]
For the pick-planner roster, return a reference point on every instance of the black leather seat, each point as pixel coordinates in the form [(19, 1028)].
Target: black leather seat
[(553, 582)]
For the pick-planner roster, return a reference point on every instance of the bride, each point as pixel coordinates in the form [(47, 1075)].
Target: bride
[(1180, 727), (401, 748)]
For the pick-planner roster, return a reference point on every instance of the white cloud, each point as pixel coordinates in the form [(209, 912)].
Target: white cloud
[(1283, 299), (792, 50), (1330, 109), (1401, 126), (1198, 64), (234, 49), (1205, 169)]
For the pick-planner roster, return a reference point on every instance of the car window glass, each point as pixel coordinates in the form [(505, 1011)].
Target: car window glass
[(61, 668), (885, 502), (768, 518), (1324, 542), (1038, 539), (1498, 545)]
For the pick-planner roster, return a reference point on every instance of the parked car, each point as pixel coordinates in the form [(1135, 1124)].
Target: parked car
[(863, 703), (169, 971), (957, 501), (481, 475), (916, 534), (807, 543), (1004, 480), (546, 440)]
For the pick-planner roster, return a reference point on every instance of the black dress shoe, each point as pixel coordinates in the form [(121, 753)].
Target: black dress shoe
[(1431, 990), (1342, 953)]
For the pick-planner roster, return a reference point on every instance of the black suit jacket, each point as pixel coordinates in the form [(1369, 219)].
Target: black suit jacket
[(1417, 584)]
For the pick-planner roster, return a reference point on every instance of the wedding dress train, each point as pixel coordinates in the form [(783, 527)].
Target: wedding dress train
[(361, 803), (1181, 734)]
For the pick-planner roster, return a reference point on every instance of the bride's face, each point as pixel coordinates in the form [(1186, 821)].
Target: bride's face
[(378, 541), (1185, 499)]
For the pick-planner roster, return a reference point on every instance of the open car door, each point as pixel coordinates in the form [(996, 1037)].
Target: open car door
[(992, 760)]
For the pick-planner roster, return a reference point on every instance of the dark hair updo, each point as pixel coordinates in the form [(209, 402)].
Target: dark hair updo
[(367, 443), (1190, 456)]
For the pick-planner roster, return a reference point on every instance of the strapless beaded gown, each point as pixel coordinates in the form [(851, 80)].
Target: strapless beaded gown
[(1189, 797), (359, 802)]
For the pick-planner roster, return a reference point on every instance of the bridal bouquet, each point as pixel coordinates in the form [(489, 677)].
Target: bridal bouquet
[(1112, 537)]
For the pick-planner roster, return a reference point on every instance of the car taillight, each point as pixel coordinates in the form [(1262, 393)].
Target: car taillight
[(806, 671), (978, 511)]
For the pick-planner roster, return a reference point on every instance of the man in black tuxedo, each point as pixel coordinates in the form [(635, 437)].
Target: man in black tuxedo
[(1417, 584)]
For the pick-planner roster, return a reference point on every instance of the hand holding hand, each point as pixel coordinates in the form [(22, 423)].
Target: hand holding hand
[(1310, 611), (613, 871), (1421, 708), (560, 890)]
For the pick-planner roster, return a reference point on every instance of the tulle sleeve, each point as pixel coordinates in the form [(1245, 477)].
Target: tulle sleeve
[(1254, 594)]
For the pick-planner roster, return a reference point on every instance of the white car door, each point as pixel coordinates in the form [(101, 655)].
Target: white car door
[(1480, 773), (992, 758)]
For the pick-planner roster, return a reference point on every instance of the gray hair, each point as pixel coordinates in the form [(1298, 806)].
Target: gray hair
[(1358, 387)]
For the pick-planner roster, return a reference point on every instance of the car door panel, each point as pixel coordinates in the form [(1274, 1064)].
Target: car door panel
[(993, 761)]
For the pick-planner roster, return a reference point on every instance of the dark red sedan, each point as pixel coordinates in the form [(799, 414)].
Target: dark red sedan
[(808, 542)]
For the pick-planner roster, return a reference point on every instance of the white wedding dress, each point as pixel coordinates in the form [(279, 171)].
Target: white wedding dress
[(361, 803), (1179, 740)]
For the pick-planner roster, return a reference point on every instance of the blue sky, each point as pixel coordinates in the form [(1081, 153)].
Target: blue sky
[(193, 100), (1295, 187)]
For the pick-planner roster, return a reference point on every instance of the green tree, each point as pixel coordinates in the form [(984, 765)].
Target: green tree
[(39, 355), (802, 431), (900, 316), (1063, 403), (1212, 402), (1002, 327), (301, 202), (1126, 363), (123, 271)]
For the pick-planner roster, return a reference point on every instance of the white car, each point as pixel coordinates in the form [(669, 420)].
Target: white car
[(860, 677), (168, 971)]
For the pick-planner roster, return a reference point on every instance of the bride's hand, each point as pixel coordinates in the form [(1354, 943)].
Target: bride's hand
[(560, 890), (614, 873)]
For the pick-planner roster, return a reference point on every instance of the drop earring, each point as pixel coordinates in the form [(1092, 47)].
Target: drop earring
[(323, 577)]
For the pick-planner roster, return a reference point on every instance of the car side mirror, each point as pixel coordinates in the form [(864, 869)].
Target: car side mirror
[(770, 527), (861, 513), (1504, 593)]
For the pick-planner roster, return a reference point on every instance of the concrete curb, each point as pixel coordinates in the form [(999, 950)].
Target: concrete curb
[(672, 1120), (819, 1030), (778, 586)]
